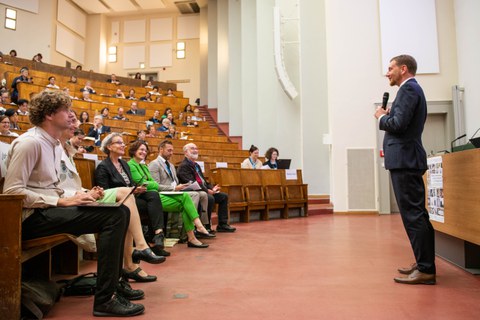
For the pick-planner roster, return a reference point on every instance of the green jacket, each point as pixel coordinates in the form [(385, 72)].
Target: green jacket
[(141, 174)]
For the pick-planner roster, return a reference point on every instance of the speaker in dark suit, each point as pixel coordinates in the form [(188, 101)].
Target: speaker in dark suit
[(406, 160)]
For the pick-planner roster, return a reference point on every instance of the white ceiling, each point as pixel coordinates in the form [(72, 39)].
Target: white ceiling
[(126, 7)]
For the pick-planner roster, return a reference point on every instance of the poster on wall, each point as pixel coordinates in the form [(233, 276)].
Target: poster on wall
[(435, 199)]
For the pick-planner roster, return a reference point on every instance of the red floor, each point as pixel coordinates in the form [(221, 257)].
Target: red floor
[(320, 267)]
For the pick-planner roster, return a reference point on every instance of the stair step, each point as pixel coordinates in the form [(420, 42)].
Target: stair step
[(317, 209)]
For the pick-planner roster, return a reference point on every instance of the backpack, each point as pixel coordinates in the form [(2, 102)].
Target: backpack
[(83, 285), (38, 298)]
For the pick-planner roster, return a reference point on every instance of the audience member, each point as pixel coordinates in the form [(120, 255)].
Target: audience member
[(13, 53), (188, 108), (98, 129), (171, 203), (154, 91), (120, 115), (5, 127), (172, 133), (155, 119), (167, 111), (13, 117), (88, 87), (170, 117), (196, 115), (78, 67), (66, 90), (23, 77), (113, 79), (271, 155), (86, 96), (141, 135), (165, 125), (37, 58), (131, 95), (164, 173), (119, 94), (4, 99), (147, 97), (158, 99), (22, 107), (76, 141), (51, 83), (138, 75), (48, 212), (189, 122), (252, 162), (114, 172), (105, 113), (152, 132), (149, 85), (73, 79), (170, 93), (189, 170), (84, 117), (134, 110)]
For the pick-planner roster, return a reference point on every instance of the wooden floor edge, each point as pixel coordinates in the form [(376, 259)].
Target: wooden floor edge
[(356, 212), (319, 196)]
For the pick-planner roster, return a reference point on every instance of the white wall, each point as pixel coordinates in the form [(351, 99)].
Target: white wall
[(468, 50)]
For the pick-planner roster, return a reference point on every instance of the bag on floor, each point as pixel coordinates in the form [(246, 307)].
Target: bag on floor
[(38, 298), (84, 285)]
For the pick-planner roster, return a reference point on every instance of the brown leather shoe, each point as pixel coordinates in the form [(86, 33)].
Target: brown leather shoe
[(417, 277), (408, 270)]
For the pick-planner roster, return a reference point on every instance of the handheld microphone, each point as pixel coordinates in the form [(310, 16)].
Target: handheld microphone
[(386, 95), (456, 139)]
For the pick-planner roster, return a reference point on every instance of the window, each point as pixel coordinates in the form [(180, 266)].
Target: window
[(10, 19), (180, 50), (112, 54)]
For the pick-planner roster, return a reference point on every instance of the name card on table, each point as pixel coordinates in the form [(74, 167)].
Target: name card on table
[(222, 164), (291, 174)]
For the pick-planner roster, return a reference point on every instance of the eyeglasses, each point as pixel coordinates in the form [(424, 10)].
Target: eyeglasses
[(119, 143)]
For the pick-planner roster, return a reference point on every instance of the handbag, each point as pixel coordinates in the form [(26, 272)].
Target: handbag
[(83, 285)]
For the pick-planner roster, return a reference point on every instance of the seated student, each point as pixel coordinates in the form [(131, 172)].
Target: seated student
[(152, 132), (252, 162), (113, 79), (155, 92), (51, 83), (37, 58), (86, 96), (165, 125), (171, 203), (88, 87), (114, 172), (67, 92), (170, 117), (23, 77), (84, 117), (188, 108), (13, 117), (141, 135), (98, 129), (149, 85), (131, 95), (13, 53), (271, 155), (148, 97), (78, 67), (77, 140), (120, 115), (156, 117), (196, 115), (5, 127), (73, 79), (189, 122), (138, 76), (22, 107), (119, 94), (167, 111), (105, 113), (172, 133), (170, 93), (134, 109), (32, 172)]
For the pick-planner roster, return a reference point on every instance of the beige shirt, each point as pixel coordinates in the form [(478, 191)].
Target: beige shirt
[(247, 164), (32, 165)]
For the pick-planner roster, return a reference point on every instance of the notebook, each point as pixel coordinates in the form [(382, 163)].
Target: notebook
[(109, 205)]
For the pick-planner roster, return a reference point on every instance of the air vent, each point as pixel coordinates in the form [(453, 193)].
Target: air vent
[(187, 7)]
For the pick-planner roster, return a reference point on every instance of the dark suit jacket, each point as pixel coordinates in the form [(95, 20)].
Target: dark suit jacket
[(97, 133), (107, 176), (403, 128), (140, 112), (186, 172)]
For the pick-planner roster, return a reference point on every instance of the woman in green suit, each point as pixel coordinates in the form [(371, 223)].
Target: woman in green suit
[(178, 202)]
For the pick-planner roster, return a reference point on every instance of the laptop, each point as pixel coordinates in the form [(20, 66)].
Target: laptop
[(283, 163), (475, 142), (109, 205)]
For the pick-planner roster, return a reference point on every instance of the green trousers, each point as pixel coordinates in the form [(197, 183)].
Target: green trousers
[(181, 203)]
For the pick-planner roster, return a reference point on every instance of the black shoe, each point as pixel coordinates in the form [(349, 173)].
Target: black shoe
[(118, 307), (135, 275), (209, 229), (193, 245), (225, 228), (146, 255), (200, 235), (125, 290), (160, 252), (159, 240)]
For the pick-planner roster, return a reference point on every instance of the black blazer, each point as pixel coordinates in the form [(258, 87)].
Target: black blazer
[(186, 172), (403, 128), (96, 134), (107, 176)]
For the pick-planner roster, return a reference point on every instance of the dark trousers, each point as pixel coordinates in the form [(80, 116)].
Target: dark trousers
[(410, 194), (110, 223), (222, 199), (151, 211)]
